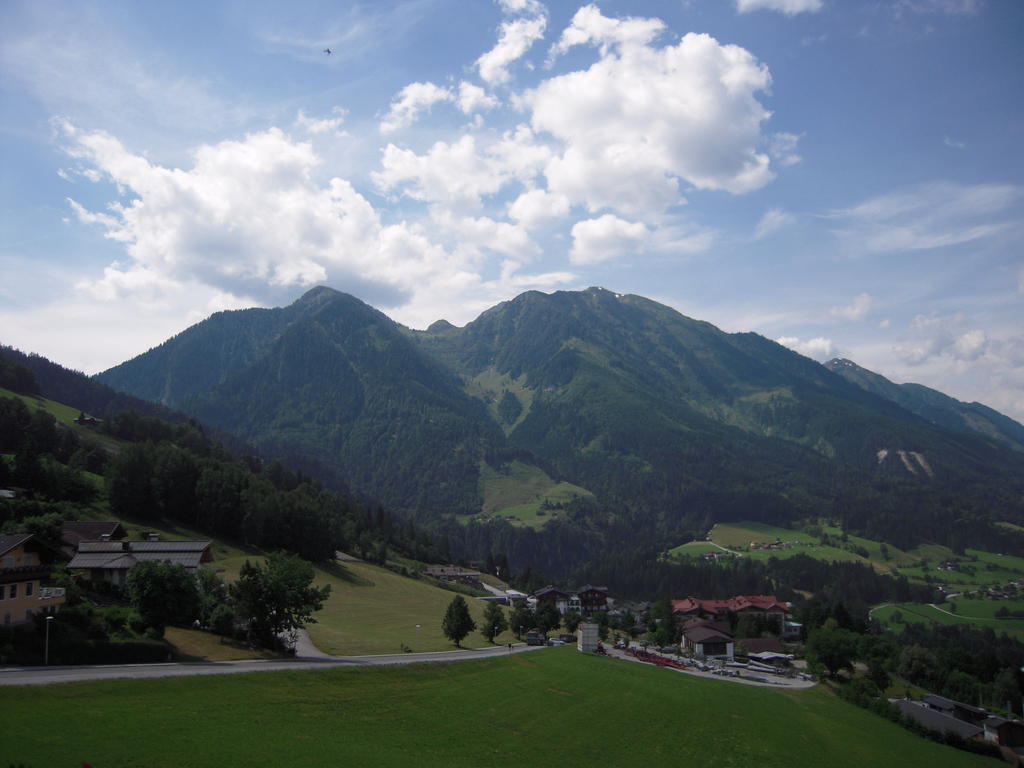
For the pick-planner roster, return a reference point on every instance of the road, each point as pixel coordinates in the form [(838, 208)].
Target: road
[(50, 675)]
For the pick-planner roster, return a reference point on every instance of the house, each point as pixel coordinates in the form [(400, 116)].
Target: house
[(705, 642), (25, 563), (592, 599), (74, 531), (112, 560), (550, 594)]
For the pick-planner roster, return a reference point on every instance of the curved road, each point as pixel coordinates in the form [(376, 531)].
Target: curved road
[(48, 675)]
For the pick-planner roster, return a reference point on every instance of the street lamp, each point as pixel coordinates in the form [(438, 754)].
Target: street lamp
[(417, 635), (46, 653)]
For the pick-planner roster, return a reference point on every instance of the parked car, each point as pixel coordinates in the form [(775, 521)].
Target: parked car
[(553, 641), (535, 638)]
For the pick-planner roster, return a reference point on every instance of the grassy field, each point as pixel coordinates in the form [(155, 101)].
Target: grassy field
[(546, 707), (517, 491), (373, 610), (969, 612), (65, 415)]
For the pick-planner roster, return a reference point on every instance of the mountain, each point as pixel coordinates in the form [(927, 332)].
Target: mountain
[(658, 423), (934, 406)]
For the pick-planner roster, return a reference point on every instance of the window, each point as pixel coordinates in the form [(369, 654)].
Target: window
[(28, 589), (12, 592)]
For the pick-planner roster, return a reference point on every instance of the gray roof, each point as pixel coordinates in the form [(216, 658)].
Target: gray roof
[(143, 546), (9, 541), (705, 634), (934, 720), (122, 555)]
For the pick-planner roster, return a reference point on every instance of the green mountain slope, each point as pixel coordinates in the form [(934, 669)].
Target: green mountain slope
[(934, 406), (669, 422)]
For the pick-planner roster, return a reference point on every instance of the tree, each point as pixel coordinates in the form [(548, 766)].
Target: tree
[(832, 647), (163, 594), (521, 619), (457, 622), (494, 622), (276, 598), (572, 621), (547, 617)]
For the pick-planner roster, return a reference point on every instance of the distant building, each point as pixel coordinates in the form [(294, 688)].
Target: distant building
[(25, 565), (553, 595), (74, 531), (765, 606), (112, 560), (454, 573), (705, 642), (587, 637)]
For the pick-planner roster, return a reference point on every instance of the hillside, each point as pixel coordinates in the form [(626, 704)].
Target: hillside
[(934, 406), (664, 424), (528, 709)]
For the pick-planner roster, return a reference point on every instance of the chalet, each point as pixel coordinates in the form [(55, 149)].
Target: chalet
[(550, 594), (592, 599), (25, 563), (705, 642), (74, 531), (112, 560)]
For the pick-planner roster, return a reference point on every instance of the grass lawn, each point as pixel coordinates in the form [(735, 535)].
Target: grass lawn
[(66, 415), (535, 709), (192, 645)]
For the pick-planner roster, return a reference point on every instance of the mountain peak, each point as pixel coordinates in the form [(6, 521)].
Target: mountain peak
[(317, 295)]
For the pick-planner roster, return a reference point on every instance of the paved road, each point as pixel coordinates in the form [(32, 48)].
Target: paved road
[(49, 675)]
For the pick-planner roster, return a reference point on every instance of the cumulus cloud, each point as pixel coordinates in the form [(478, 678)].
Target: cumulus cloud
[(782, 148), (818, 348), (538, 207), (930, 216), (410, 102), (788, 7), (645, 117), (515, 38), (473, 98), (597, 240), (856, 310)]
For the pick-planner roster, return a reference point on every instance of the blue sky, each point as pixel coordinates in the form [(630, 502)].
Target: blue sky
[(844, 177)]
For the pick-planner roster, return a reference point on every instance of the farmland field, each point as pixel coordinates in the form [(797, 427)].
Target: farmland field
[(968, 612), (531, 709)]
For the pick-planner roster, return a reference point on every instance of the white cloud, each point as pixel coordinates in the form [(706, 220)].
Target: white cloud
[(538, 207), (953, 144), (772, 221), (856, 310), (410, 102), (788, 7), (942, 336), (453, 175), (248, 220), (818, 348), (782, 148), (597, 240), (643, 117), (516, 38), (323, 124), (473, 98), (930, 216)]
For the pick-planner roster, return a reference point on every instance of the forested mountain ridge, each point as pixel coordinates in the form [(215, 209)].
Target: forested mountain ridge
[(934, 406), (671, 423)]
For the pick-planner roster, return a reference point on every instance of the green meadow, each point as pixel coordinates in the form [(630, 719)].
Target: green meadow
[(975, 613), (547, 707), (518, 491)]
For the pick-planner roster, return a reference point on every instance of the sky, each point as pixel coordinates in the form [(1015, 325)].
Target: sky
[(843, 176)]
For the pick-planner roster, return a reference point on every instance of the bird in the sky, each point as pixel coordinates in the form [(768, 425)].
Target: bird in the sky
[(327, 51)]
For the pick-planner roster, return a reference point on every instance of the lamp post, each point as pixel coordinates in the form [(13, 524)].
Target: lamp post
[(417, 635), (46, 652)]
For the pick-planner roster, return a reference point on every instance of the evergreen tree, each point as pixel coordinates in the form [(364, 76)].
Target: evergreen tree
[(521, 619), (457, 622), (494, 622)]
